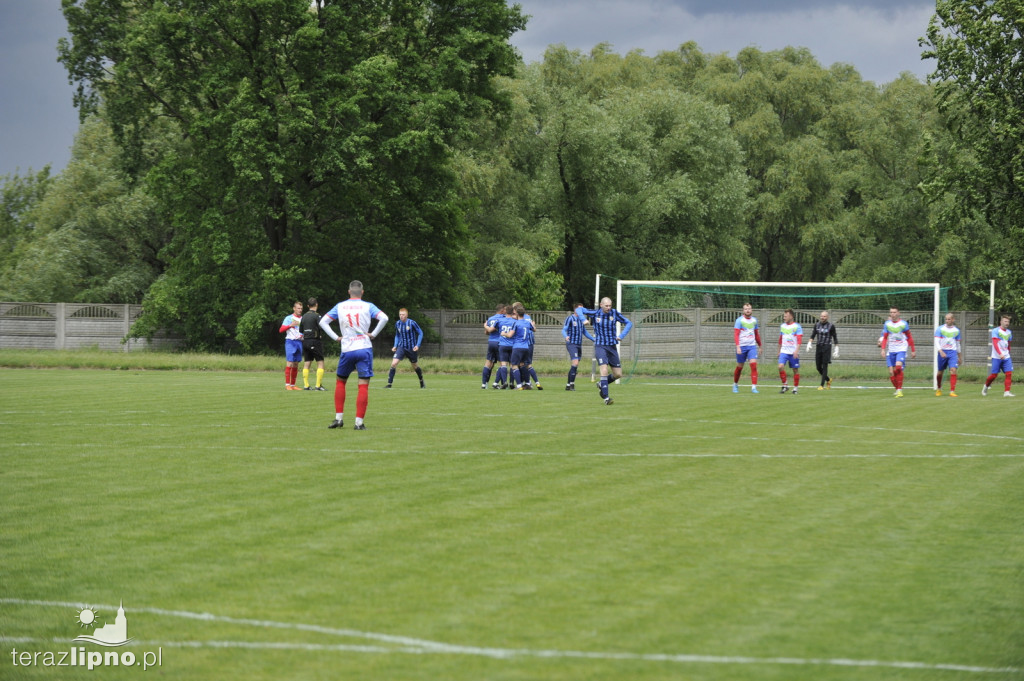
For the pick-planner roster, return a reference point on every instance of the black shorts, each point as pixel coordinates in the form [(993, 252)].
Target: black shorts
[(406, 353), (313, 350)]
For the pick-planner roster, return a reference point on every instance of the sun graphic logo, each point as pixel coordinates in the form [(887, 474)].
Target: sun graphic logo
[(111, 635)]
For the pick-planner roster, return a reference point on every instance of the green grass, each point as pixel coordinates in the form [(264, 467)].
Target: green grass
[(684, 532)]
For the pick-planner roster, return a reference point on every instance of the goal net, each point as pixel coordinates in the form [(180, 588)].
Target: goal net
[(692, 321)]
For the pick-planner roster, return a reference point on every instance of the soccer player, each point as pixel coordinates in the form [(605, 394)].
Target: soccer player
[(526, 368), (491, 327), (896, 338), (1001, 337), (292, 346), (312, 345), (505, 347), (947, 341), (354, 317), (408, 337), (791, 335), (604, 320), (748, 340), (519, 332), (573, 331), (827, 348)]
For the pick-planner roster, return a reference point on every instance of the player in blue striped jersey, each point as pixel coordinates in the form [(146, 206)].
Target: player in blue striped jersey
[(604, 320), (408, 339), (505, 348), (519, 333), (526, 368), (493, 335), (573, 331)]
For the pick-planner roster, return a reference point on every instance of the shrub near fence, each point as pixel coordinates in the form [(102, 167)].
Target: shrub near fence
[(691, 334)]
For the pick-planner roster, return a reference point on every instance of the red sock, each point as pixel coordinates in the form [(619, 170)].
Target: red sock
[(782, 375), (339, 397), (753, 374), (362, 399), (796, 379), (899, 378), (287, 375), (952, 383), (295, 374), (1008, 380), (892, 378), (736, 374), (988, 381), (938, 380)]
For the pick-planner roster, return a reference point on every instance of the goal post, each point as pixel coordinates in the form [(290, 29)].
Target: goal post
[(696, 312)]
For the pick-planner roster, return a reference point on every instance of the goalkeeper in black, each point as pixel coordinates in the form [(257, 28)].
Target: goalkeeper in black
[(826, 348)]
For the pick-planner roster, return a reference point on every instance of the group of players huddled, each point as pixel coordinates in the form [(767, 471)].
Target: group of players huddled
[(895, 342), (510, 333)]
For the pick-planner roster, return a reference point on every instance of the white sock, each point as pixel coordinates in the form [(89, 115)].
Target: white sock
[(359, 421), (339, 417)]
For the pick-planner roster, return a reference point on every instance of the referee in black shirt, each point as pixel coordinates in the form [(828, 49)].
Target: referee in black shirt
[(827, 347)]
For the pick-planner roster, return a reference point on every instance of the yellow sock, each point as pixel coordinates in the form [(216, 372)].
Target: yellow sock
[(319, 377), (305, 377)]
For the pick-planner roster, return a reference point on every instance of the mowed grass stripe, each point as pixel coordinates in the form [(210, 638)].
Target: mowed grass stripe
[(430, 535)]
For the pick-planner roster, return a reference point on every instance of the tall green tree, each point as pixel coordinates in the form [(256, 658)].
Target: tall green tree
[(609, 168), (314, 144), (91, 236), (979, 76)]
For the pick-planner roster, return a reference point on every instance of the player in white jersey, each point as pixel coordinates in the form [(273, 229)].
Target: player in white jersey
[(896, 339), (1001, 337), (791, 335), (748, 340), (947, 342), (354, 317), (292, 346)]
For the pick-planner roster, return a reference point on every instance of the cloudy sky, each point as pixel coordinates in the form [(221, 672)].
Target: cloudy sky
[(878, 37)]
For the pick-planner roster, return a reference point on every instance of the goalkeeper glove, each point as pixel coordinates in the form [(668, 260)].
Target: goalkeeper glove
[(835, 352), (808, 346)]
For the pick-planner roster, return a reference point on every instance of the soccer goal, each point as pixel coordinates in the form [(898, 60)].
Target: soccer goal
[(692, 321)]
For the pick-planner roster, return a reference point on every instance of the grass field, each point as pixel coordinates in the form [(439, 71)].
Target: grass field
[(684, 532)]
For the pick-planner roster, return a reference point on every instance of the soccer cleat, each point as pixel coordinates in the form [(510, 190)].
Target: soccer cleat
[(538, 387), (952, 394), (307, 388), (527, 386), (821, 387), (984, 390), (783, 389), (494, 385), (519, 387), (735, 388), (828, 384), (422, 384), (568, 387), (753, 389), (294, 387), (359, 426), (388, 385), (337, 423), (1007, 393), (320, 388), (938, 393), (609, 401), (899, 393), (484, 386), (794, 391)]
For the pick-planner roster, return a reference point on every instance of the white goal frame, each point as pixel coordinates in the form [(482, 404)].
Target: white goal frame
[(936, 298)]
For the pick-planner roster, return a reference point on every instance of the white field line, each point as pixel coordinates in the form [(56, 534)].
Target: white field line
[(348, 451), (420, 646)]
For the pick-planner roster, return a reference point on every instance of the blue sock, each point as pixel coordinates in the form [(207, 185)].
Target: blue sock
[(533, 375), (487, 375), (516, 376), (572, 374), (391, 375), (502, 374), (604, 387)]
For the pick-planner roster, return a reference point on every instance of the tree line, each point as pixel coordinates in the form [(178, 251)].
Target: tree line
[(232, 159)]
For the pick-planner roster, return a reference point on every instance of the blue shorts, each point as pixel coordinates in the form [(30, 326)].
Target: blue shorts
[(520, 356), (950, 361), (746, 352), (575, 350), (893, 357), (607, 354), (794, 362), (293, 350), (492, 351), (529, 356), (504, 353), (360, 360), (406, 353), (1004, 365)]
